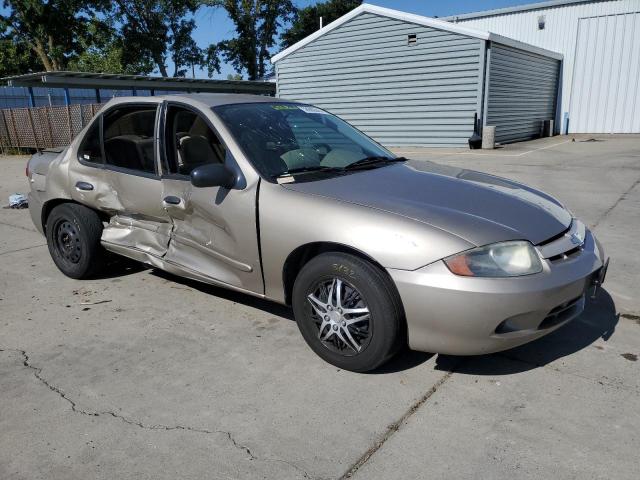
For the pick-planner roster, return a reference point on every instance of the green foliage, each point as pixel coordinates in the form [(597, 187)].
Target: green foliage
[(103, 52), (307, 20), (234, 76), (257, 23), (16, 58), (53, 30), (138, 36), (159, 29), (184, 51)]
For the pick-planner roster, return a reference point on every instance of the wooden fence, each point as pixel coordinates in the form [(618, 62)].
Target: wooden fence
[(43, 127)]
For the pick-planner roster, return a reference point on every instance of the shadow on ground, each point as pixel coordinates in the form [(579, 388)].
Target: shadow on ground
[(598, 321), (405, 360), (265, 305), (118, 266)]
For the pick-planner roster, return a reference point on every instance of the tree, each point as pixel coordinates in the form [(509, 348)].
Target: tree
[(159, 29), (307, 20), (257, 23), (52, 30), (104, 53), (17, 58), (184, 51)]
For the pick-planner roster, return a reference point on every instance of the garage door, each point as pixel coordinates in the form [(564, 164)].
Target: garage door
[(522, 92), (605, 97)]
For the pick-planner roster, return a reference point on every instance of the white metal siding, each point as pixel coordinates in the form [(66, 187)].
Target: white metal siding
[(559, 34), (364, 72), (522, 92), (606, 92)]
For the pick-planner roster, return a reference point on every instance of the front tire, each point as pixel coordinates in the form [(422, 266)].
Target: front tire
[(73, 236), (348, 311)]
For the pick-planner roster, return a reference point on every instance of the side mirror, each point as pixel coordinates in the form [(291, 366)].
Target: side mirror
[(213, 175)]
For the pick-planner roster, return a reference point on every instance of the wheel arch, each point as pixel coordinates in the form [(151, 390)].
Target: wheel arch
[(299, 257), (49, 205)]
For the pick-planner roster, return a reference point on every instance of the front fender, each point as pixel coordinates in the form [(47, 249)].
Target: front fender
[(290, 219)]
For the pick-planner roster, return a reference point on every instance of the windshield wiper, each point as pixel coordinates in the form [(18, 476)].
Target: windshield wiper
[(372, 161), (309, 169), (362, 163)]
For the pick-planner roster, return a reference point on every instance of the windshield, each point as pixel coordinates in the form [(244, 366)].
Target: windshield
[(284, 138)]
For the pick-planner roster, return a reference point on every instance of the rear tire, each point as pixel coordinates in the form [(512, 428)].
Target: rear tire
[(348, 311), (73, 234)]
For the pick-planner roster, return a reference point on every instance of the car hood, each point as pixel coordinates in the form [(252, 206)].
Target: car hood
[(477, 207)]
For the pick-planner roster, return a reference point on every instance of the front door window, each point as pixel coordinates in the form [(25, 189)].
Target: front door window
[(190, 142)]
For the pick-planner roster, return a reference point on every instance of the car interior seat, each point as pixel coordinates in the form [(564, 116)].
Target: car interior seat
[(130, 151), (199, 146), (300, 158)]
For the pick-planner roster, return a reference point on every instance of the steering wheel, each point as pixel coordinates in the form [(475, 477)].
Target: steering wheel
[(322, 148)]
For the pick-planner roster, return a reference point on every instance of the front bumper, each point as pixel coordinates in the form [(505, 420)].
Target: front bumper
[(458, 315)]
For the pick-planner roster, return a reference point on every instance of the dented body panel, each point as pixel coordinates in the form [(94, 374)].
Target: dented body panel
[(215, 233), (402, 220)]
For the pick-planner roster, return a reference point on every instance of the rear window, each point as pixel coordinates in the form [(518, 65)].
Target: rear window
[(90, 150)]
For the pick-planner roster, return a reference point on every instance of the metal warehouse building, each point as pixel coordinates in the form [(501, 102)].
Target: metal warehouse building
[(412, 80), (600, 41)]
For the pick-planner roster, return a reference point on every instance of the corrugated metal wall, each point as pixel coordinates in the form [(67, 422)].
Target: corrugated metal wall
[(606, 92), (521, 93), (365, 72), (15, 97), (559, 34)]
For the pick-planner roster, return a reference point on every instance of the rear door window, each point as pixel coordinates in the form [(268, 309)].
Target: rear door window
[(128, 137)]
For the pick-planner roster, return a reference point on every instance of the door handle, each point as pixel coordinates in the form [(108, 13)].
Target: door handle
[(172, 200), (84, 186)]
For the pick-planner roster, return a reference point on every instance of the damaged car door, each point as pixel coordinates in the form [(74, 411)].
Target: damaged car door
[(139, 221), (214, 227)]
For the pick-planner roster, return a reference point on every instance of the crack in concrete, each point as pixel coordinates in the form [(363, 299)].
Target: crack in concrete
[(615, 204), (395, 426), (552, 368), (23, 249), (294, 466), (19, 227), (37, 372)]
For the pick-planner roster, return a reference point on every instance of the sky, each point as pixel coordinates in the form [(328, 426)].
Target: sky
[(213, 25)]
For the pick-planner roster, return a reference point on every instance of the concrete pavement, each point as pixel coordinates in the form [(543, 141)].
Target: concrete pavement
[(143, 375)]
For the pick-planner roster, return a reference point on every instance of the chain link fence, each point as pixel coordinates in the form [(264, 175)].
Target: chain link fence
[(43, 127)]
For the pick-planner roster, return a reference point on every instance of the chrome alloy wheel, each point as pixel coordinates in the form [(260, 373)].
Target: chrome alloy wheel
[(341, 316)]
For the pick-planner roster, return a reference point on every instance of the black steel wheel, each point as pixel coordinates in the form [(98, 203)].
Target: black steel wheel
[(73, 236), (67, 241)]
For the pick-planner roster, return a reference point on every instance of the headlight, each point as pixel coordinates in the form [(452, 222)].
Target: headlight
[(507, 259)]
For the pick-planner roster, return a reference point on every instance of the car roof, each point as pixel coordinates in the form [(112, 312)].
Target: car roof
[(209, 99)]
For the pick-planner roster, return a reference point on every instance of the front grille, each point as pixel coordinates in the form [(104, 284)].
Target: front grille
[(565, 245), (574, 252), (555, 237)]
